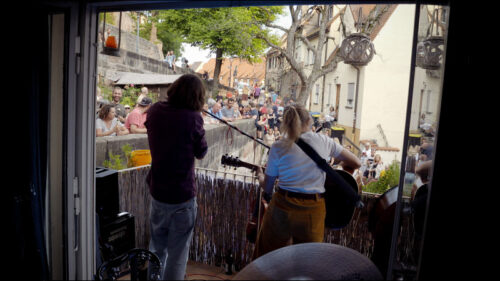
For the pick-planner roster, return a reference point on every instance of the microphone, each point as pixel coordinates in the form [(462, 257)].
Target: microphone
[(319, 129)]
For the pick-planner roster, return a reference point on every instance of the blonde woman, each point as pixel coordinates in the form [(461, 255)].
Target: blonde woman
[(375, 168), (297, 209)]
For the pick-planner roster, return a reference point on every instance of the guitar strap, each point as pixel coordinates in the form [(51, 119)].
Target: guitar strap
[(343, 186)]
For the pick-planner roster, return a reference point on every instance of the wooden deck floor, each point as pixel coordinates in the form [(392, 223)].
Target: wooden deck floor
[(199, 271)]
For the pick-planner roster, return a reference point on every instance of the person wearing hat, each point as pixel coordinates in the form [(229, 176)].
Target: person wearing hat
[(127, 109), (137, 117)]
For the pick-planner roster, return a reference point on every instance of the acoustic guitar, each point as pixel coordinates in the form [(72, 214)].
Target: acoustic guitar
[(339, 211)]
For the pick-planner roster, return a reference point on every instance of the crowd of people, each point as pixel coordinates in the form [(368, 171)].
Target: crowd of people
[(371, 165), (265, 108), (116, 119)]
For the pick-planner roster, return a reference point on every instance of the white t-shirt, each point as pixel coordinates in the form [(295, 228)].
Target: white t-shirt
[(100, 124), (295, 170)]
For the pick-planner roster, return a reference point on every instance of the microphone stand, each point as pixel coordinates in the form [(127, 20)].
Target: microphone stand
[(238, 130)]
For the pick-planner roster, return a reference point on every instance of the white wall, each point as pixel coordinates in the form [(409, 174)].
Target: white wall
[(431, 97), (387, 80)]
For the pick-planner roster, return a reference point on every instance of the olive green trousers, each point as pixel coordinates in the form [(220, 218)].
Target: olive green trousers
[(290, 220)]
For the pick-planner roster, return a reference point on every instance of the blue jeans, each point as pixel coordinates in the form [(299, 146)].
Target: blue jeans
[(171, 231)]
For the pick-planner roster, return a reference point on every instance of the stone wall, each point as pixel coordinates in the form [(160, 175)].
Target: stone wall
[(221, 139), (130, 42)]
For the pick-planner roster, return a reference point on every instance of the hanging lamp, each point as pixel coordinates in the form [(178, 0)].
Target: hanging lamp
[(357, 48), (430, 50), (111, 45)]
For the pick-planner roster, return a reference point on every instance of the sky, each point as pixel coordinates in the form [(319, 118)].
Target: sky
[(194, 54)]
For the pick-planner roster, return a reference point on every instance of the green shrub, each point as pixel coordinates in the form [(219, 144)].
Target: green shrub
[(388, 178), (115, 162)]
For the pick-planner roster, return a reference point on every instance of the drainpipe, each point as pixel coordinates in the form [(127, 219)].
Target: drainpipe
[(355, 103)]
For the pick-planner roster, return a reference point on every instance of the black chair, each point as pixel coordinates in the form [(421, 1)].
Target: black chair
[(141, 264)]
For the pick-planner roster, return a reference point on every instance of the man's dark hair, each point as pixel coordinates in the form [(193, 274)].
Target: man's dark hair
[(187, 92)]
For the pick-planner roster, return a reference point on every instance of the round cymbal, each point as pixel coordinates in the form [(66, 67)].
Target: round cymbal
[(311, 261)]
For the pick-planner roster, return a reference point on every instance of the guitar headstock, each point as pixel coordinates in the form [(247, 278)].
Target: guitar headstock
[(236, 162), (231, 161)]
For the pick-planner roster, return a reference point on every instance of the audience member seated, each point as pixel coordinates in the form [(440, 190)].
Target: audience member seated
[(215, 110), (137, 117), (207, 119), (229, 113), (269, 137), (107, 124), (373, 171), (254, 112), (277, 134)]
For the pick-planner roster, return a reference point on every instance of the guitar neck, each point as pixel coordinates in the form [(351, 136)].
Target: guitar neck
[(235, 162), (249, 166)]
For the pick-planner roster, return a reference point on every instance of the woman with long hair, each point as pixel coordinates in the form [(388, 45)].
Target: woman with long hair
[(297, 209), (176, 137), (107, 124)]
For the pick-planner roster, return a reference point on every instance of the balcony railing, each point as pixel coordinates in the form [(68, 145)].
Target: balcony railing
[(224, 204)]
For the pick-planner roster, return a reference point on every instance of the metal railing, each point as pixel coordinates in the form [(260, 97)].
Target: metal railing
[(353, 145)]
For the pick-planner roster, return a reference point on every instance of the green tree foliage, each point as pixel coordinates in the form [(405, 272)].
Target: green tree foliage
[(171, 39), (224, 31)]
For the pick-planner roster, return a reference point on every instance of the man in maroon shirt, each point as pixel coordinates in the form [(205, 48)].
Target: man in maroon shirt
[(176, 137)]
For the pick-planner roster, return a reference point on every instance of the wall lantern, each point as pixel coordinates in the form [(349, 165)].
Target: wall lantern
[(111, 45), (430, 51), (357, 48)]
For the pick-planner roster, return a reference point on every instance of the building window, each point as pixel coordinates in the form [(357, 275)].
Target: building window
[(330, 12), (350, 94)]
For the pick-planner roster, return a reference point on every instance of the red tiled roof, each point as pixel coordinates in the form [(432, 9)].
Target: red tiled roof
[(246, 70)]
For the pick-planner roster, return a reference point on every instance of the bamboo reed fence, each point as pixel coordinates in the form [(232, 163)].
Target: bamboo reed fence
[(224, 202)]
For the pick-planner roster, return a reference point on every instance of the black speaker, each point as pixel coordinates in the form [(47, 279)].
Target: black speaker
[(117, 236), (107, 198)]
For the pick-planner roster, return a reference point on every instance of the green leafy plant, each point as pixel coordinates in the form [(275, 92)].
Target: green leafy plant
[(388, 178), (115, 162), (127, 150)]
